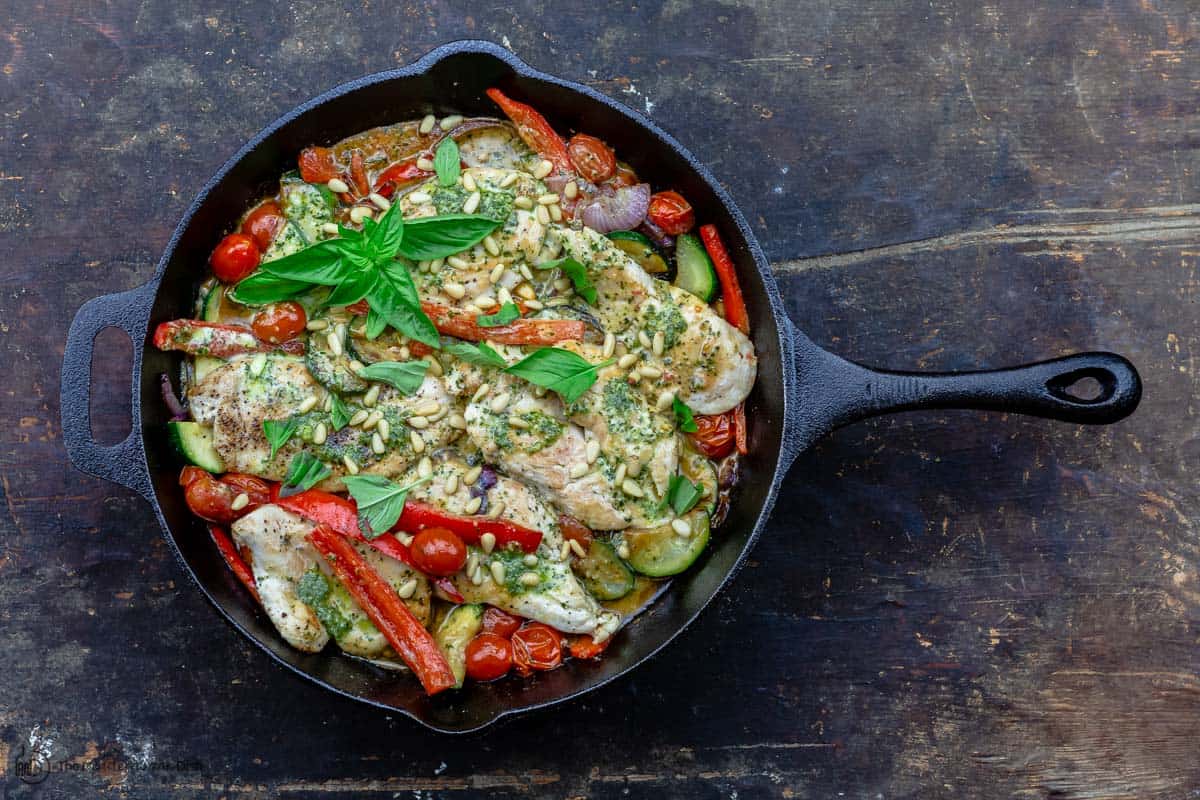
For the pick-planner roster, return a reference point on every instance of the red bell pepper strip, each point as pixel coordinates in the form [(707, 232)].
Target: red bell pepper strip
[(739, 429), (461, 325), (234, 559), (418, 516), (341, 514), (399, 174), (449, 590), (214, 339), (735, 305), (535, 131), (404, 632)]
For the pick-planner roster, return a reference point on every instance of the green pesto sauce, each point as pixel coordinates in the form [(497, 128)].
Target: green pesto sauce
[(493, 203), (315, 591), (514, 568), (626, 417), (543, 431), (668, 319)]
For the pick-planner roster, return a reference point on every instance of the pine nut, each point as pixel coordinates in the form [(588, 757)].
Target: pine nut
[(457, 421), (418, 444), (644, 340), (450, 122), (681, 527), (534, 305), (320, 433), (372, 396), (497, 568), (408, 589), (385, 429), (543, 169), (485, 302), (488, 542), (360, 213), (626, 361), (335, 344), (455, 290), (372, 420), (496, 508), (316, 325), (452, 484), (329, 228), (469, 182), (526, 292), (497, 272), (351, 467), (578, 471), (658, 343), (381, 202), (592, 450), (481, 392), (530, 579), (556, 213), (529, 560), (500, 402), (337, 186), (377, 446), (477, 577), (577, 548), (427, 408), (493, 248), (425, 164), (419, 198), (517, 422), (665, 400), (427, 123), (632, 489), (472, 203), (651, 371), (240, 502), (523, 202), (620, 476), (308, 405), (472, 505), (547, 199), (435, 366), (472, 475), (425, 467), (543, 216), (509, 180), (564, 551), (420, 423), (610, 344), (359, 417), (623, 550), (571, 190)]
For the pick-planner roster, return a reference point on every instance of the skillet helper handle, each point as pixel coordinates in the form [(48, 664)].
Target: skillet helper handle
[(124, 462), (1039, 389)]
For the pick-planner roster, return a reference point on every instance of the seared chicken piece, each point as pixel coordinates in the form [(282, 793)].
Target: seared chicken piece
[(280, 557), (234, 402), (710, 362), (557, 598)]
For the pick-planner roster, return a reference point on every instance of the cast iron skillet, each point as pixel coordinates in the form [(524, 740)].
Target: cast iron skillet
[(802, 392)]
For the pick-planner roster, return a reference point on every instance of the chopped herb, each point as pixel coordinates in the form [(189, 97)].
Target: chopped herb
[(305, 472), (683, 416), (682, 495), (339, 415), (278, 431), (380, 502), (406, 376), (507, 313), (446, 162), (577, 273), (561, 371)]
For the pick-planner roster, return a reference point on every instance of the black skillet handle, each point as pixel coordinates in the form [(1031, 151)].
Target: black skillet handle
[(834, 392), (124, 462)]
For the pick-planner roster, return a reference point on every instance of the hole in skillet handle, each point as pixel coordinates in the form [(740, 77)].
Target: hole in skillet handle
[(1084, 386), (110, 412)]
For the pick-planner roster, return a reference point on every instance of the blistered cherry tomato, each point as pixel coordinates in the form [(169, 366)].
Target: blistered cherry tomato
[(669, 211), (210, 499), (593, 159), (263, 223), (585, 647), (317, 165), (536, 646), (500, 622), (256, 489), (279, 322), (234, 257), (438, 551), (714, 435), (624, 176), (190, 474), (574, 529), (488, 657)]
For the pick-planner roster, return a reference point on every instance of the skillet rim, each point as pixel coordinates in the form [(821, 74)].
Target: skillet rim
[(784, 330)]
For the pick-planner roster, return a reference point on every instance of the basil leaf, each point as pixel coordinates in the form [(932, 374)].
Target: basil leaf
[(380, 502), (683, 416), (682, 494), (305, 472), (406, 376), (507, 313), (395, 298), (376, 324), (428, 238), (446, 162), (278, 432), (354, 288), (387, 233), (561, 371), (262, 288), (339, 415), (321, 263), (481, 355), (577, 273)]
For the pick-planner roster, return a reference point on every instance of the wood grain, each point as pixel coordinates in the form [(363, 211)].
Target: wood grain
[(948, 604)]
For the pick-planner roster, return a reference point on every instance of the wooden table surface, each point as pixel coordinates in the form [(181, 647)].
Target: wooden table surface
[(947, 604)]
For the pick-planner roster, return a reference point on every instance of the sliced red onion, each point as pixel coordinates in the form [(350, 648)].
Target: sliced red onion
[(486, 480), (170, 400), (621, 211), (662, 240)]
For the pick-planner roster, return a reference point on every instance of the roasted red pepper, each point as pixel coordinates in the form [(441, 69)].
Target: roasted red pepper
[(234, 559), (404, 632), (739, 429), (731, 292), (399, 174), (215, 339), (341, 514), (535, 131), (461, 325)]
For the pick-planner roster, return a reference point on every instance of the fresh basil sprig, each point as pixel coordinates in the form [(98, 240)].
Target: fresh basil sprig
[(682, 495), (277, 433), (406, 376), (561, 371), (577, 273), (305, 472), (481, 355), (684, 417), (362, 264), (446, 162), (380, 502), (507, 313)]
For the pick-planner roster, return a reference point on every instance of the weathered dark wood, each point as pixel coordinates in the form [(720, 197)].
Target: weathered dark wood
[(948, 605)]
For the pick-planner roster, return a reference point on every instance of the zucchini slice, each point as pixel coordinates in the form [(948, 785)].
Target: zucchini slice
[(602, 573), (640, 249), (455, 632), (695, 271), (659, 552), (194, 442)]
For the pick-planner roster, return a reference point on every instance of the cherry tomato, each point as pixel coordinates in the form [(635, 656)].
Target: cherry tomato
[(500, 622), (279, 322), (234, 257), (714, 435), (263, 223), (585, 647), (438, 551), (536, 646), (488, 657), (669, 211), (624, 176), (317, 165), (258, 490), (593, 159), (574, 529), (190, 474), (212, 500)]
